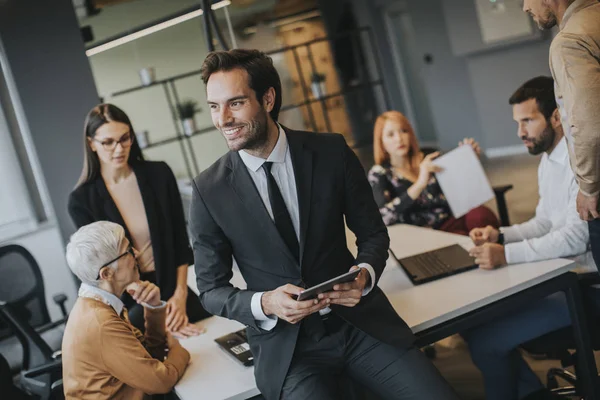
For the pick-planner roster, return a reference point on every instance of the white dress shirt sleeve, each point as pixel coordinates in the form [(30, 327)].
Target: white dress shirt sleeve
[(569, 240), (536, 227), (368, 267), (265, 322), (268, 322)]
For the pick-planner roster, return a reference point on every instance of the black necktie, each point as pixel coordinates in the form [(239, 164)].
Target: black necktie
[(313, 325), (281, 215)]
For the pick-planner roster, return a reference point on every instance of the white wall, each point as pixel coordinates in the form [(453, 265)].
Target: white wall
[(468, 94), (176, 50), (172, 51), (16, 212)]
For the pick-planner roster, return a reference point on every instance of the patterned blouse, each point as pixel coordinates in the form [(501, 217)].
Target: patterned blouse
[(390, 190)]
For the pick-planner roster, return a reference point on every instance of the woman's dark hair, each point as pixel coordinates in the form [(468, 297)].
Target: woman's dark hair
[(98, 116), (259, 66), (542, 90)]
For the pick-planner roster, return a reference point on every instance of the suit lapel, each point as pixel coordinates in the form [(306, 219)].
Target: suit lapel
[(110, 208), (302, 160), (243, 186)]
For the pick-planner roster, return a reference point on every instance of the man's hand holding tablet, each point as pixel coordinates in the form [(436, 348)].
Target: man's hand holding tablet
[(348, 294), (292, 303)]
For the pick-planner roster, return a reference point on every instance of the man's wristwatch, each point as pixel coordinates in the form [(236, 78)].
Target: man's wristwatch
[(500, 238)]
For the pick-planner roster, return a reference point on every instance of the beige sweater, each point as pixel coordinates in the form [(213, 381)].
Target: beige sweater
[(575, 65), (105, 357)]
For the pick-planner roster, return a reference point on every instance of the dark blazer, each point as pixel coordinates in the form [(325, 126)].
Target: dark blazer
[(228, 219), (92, 202)]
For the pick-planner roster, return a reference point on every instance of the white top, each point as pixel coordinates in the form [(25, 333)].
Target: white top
[(556, 230), (282, 170)]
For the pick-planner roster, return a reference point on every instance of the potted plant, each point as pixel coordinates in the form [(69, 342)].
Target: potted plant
[(317, 84), (186, 110)]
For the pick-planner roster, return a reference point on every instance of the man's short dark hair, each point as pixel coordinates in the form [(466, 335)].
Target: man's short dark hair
[(542, 90), (259, 66)]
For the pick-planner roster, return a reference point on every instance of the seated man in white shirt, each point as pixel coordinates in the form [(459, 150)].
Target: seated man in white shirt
[(556, 231)]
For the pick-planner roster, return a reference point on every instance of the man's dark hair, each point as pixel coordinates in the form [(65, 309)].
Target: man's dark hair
[(259, 66), (542, 90)]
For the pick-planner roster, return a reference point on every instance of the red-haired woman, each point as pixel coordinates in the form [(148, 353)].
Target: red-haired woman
[(404, 184)]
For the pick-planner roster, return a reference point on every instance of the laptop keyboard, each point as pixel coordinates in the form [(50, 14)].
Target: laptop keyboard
[(431, 265), (436, 264)]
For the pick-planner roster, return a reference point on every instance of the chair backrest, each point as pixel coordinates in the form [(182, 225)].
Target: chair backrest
[(22, 286)]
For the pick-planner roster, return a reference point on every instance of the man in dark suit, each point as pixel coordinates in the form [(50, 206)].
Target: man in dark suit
[(277, 202)]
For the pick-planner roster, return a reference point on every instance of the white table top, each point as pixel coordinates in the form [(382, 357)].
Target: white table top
[(214, 375), (433, 303)]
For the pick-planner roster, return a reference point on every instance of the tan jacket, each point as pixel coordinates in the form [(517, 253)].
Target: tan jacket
[(105, 357), (575, 65)]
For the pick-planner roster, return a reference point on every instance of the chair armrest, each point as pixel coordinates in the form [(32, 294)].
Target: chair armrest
[(500, 191), (54, 366), (60, 300), (51, 325)]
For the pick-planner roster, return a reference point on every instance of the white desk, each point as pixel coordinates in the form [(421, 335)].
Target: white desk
[(213, 375), (433, 303)]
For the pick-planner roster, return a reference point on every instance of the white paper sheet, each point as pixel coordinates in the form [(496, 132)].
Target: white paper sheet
[(463, 180)]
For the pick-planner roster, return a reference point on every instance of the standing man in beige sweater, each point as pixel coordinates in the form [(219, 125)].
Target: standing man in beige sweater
[(104, 356), (575, 65)]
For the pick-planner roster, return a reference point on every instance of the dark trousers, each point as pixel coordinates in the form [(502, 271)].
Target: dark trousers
[(193, 307), (594, 228), (331, 368), (494, 346)]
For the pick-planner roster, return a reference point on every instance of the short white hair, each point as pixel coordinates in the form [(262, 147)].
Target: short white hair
[(91, 247)]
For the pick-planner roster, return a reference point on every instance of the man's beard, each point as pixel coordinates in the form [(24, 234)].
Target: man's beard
[(257, 134), (543, 142), (548, 23)]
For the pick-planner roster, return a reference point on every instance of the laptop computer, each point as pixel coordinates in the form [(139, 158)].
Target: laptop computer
[(236, 345), (437, 264)]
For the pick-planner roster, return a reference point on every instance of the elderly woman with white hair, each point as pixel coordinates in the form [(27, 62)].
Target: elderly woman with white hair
[(104, 356)]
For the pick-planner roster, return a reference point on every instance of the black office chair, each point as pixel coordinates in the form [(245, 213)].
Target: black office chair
[(42, 378), (558, 345), (499, 192), (7, 385), (22, 288)]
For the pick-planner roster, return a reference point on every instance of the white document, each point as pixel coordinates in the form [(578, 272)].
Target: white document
[(463, 180)]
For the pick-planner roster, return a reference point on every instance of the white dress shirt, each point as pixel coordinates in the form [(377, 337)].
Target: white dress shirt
[(282, 170), (556, 231)]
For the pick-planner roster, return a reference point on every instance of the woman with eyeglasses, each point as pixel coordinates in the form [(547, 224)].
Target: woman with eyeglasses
[(118, 185)]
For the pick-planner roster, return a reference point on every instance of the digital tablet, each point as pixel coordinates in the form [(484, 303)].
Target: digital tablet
[(327, 286)]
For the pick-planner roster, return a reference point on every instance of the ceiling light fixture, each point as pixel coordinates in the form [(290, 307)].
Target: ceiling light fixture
[(152, 29)]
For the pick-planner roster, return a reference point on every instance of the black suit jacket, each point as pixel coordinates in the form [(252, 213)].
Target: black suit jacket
[(92, 202), (228, 219)]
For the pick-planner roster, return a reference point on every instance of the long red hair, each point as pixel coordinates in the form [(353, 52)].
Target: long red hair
[(380, 154)]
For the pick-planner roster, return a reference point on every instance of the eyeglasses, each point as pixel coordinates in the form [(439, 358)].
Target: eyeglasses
[(111, 144), (129, 251)]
